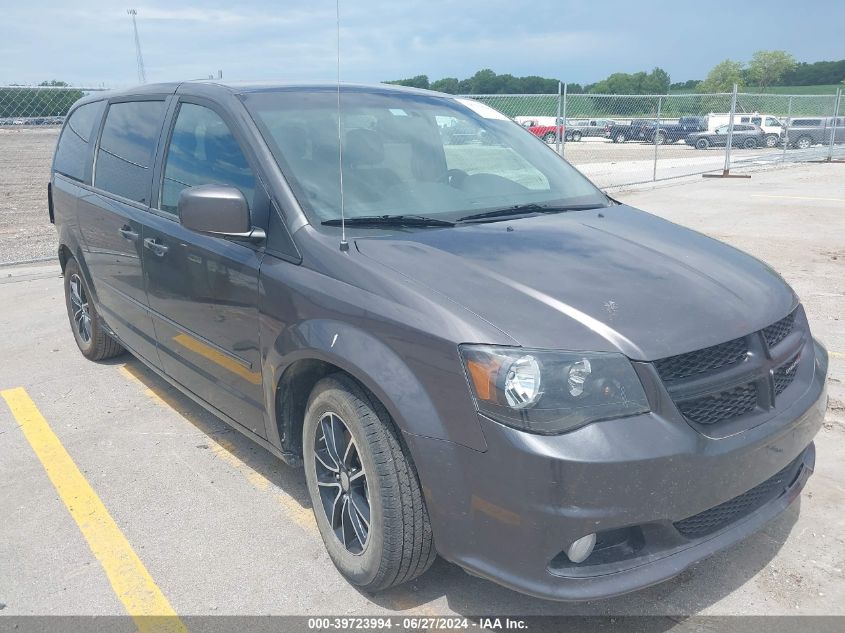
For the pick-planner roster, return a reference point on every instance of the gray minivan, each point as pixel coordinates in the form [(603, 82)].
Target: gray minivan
[(470, 349)]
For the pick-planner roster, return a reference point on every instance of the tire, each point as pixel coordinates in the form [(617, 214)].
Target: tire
[(772, 140), (620, 137), (750, 143), (397, 544), (660, 138), (88, 330), (804, 142), (550, 137), (576, 136), (702, 143)]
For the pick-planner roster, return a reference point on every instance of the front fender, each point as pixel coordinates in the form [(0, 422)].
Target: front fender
[(404, 384)]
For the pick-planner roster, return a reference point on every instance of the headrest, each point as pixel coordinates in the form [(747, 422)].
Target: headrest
[(363, 147)]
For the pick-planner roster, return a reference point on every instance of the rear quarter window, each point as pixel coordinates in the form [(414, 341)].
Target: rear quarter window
[(126, 151), (72, 152)]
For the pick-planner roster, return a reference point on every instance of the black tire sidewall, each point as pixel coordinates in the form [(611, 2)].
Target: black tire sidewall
[(71, 269), (702, 144), (331, 396)]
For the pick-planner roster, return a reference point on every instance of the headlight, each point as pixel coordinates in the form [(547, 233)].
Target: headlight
[(551, 392)]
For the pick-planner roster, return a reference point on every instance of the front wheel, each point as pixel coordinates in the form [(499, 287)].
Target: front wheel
[(660, 138), (805, 142), (620, 137), (772, 140), (702, 143), (364, 490), (576, 136), (88, 331)]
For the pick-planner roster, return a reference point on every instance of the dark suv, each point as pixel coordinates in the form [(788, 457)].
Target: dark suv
[(470, 349)]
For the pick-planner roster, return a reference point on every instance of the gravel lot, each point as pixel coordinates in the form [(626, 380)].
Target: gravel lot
[(225, 528)]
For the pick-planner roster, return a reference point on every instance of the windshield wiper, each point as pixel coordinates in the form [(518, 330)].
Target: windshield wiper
[(523, 209), (389, 220)]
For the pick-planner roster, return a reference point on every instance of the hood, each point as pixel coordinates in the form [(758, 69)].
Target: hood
[(614, 279)]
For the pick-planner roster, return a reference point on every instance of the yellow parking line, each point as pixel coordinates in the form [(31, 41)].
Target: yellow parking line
[(130, 580), (836, 354), (766, 195), (228, 452)]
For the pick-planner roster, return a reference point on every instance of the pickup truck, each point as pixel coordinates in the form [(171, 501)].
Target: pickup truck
[(634, 131), (673, 132), (576, 129), (546, 130), (647, 130)]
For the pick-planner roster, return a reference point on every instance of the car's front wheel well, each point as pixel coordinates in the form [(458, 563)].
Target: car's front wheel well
[(292, 394), (64, 256)]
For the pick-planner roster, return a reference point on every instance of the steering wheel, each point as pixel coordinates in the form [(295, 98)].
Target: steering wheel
[(453, 177)]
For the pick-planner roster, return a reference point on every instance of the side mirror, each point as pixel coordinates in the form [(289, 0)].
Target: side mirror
[(217, 210)]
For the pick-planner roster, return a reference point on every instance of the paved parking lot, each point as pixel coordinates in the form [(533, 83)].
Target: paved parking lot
[(222, 527)]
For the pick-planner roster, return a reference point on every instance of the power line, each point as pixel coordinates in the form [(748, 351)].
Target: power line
[(139, 58)]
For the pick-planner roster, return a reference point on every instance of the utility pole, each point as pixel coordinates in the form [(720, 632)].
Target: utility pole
[(142, 74)]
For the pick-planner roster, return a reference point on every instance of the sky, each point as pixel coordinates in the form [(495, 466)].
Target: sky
[(89, 42)]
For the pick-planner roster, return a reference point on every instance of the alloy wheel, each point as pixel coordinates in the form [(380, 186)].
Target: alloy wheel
[(342, 483), (79, 304)]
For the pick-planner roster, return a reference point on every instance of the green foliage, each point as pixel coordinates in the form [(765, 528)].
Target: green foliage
[(817, 73), (767, 68), (486, 81), (685, 86), (722, 77), (420, 81), (641, 83)]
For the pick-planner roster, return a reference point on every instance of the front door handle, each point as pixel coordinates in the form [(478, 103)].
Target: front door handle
[(127, 232), (155, 246)]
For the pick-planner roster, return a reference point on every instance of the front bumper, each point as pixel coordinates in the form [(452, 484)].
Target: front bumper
[(509, 513)]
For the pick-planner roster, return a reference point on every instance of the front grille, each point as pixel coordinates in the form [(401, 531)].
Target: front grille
[(701, 361), (726, 513), (776, 332), (721, 406), (785, 374)]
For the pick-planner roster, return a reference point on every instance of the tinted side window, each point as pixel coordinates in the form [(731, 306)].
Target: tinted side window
[(203, 151), (72, 150), (125, 156)]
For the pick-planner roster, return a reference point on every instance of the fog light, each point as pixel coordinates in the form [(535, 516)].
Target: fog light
[(581, 549)]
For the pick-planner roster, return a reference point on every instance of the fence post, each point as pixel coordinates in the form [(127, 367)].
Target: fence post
[(654, 137), (559, 129), (833, 131), (785, 141), (730, 132)]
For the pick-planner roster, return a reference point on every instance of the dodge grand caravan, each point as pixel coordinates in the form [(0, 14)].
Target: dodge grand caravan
[(471, 350)]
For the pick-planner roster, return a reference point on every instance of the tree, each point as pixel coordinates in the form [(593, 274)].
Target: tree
[(767, 68), (722, 77), (641, 83), (447, 84), (420, 81)]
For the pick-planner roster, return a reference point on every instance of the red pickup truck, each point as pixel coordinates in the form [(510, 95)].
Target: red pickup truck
[(547, 131)]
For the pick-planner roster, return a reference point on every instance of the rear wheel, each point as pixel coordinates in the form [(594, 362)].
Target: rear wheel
[(660, 138), (364, 490), (576, 136), (619, 138), (702, 143), (749, 143), (550, 137), (88, 331)]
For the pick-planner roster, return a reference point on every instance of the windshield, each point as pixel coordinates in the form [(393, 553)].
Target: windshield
[(409, 154)]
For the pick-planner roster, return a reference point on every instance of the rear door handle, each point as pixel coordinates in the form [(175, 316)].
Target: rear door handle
[(155, 246), (127, 232)]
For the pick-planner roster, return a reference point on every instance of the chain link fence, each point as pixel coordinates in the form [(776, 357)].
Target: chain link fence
[(616, 140), (619, 140)]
